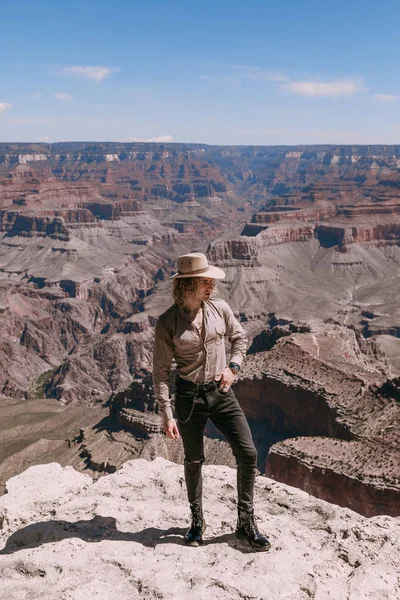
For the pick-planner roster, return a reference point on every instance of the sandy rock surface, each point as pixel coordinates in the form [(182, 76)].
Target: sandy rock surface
[(66, 538)]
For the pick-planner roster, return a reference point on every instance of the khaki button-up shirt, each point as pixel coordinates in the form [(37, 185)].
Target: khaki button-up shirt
[(199, 356)]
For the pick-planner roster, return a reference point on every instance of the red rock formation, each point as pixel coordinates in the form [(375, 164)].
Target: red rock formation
[(386, 208), (283, 235), (324, 476), (340, 235), (296, 214), (31, 225), (349, 450), (233, 252)]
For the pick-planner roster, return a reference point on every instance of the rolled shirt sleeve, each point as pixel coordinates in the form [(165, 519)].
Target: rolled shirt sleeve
[(162, 361)]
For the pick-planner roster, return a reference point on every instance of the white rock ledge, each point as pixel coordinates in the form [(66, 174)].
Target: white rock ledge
[(64, 537)]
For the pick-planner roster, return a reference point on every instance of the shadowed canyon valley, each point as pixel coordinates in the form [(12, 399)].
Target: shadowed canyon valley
[(309, 238)]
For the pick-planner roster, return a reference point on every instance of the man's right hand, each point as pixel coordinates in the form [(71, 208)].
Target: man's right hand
[(171, 429)]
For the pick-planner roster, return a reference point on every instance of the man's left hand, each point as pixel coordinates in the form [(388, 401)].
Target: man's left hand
[(225, 379)]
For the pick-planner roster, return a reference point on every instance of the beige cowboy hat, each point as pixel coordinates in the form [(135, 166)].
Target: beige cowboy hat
[(196, 265)]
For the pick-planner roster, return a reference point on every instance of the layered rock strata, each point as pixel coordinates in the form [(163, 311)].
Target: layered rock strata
[(346, 441), (352, 474), (90, 231)]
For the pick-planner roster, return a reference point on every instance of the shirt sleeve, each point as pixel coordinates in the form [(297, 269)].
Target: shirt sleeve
[(236, 335), (162, 361)]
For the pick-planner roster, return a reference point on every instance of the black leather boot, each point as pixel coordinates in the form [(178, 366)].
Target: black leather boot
[(194, 535), (247, 530)]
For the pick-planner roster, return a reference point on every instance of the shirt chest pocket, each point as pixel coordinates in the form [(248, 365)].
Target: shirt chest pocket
[(219, 335), (186, 340)]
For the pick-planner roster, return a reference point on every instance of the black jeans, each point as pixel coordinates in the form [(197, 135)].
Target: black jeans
[(194, 404)]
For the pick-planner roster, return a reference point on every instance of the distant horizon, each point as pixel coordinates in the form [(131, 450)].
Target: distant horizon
[(335, 145)]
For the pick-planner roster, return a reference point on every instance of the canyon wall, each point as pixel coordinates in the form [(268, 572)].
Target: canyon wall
[(308, 237), (370, 498), (342, 435)]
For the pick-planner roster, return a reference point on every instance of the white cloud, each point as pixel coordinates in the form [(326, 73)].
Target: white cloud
[(160, 139), (64, 96), (4, 106), (43, 139), (386, 98), (94, 73), (317, 89)]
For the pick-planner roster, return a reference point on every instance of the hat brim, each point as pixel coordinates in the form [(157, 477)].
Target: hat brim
[(210, 273)]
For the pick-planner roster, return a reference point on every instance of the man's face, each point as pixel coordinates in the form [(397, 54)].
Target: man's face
[(205, 289)]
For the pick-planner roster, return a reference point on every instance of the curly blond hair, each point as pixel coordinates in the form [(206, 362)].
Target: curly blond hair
[(187, 286)]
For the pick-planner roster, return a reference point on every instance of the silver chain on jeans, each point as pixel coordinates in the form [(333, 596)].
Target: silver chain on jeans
[(191, 411)]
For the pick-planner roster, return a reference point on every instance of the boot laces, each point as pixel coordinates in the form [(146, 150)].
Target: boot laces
[(248, 521), (252, 525)]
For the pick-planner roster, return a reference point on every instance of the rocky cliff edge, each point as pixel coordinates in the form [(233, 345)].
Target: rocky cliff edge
[(64, 536)]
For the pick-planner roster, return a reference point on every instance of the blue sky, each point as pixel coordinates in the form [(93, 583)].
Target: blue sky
[(216, 72)]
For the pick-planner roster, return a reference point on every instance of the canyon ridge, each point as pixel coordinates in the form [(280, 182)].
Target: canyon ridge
[(309, 238)]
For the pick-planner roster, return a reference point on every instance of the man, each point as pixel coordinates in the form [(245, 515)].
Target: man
[(192, 332)]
